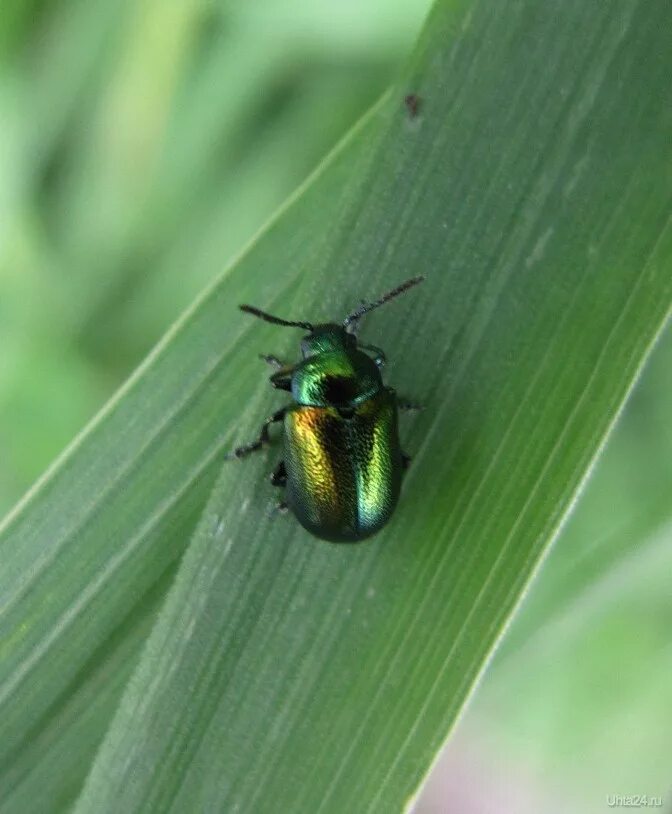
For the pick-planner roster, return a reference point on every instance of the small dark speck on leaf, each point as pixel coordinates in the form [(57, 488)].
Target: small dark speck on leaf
[(412, 102)]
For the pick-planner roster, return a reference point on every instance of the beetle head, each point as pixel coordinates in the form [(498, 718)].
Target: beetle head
[(327, 338)]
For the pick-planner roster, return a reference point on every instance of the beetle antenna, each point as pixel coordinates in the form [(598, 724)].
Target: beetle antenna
[(365, 307), (250, 309)]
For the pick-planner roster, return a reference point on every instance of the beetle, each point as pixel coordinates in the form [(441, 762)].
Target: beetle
[(342, 465)]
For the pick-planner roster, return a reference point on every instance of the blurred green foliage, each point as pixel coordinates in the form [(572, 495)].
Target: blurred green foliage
[(129, 134)]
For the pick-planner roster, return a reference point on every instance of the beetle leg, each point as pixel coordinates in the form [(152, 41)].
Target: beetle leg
[(271, 360), (279, 475), (246, 449), (379, 357), (282, 379), (402, 404), (278, 508)]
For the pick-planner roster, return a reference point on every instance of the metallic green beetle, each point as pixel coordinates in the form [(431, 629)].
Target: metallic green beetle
[(342, 464)]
